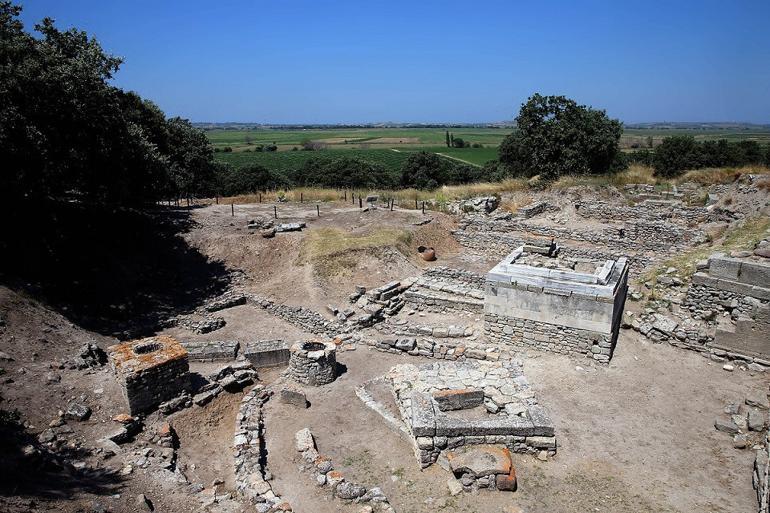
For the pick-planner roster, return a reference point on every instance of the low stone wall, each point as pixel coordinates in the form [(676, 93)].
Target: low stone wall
[(499, 244), (705, 302), (646, 236), (444, 349), (507, 331), (249, 454), (304, 318), (446, 290), (322, 469), (761, 476), (211, 351), (650, 212), (455, 275), (534, 209)]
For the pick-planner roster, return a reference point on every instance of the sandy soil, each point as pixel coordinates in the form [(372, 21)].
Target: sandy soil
[(634, 436)]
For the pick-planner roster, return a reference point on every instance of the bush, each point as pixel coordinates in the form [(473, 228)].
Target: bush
[(681, 152), (344, 172), (250, 179)]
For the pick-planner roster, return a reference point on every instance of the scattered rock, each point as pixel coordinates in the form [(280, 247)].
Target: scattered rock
[(756, 420), (350, 491), (726, 425), (454, 485), (304, 440), (294, 397), (77, 411), (740, 441), (143, 503), (758, 399)]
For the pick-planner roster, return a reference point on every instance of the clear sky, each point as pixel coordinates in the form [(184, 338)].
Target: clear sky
[(358, 61)]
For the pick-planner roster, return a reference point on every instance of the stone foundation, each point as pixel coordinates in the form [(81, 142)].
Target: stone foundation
[(151, 371), (548, 337), (509, 414)]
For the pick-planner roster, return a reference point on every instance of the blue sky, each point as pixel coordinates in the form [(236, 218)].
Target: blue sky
[(425, 61)]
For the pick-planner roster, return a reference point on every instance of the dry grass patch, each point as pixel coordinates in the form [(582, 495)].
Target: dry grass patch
[(723, 175), (331, 250), (741, 236)]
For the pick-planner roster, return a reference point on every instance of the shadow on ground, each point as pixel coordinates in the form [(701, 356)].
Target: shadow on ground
[(30, 470), (114, 271)]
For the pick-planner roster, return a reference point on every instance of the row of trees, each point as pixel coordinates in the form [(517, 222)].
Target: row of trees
[(422, 170), (457, 142), (681, 152), (66, 132)]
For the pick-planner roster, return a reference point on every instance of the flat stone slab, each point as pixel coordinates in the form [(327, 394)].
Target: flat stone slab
[(726, 426), (266, 353), (461, 399), (481, 460), (211, 351)]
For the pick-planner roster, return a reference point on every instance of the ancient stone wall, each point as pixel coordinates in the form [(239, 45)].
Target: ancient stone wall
[(705, 302), (304, 318), (761, 476), (636, 236), (499, 244), (547, 337), (652, 212), (446, 290), (249, 453)]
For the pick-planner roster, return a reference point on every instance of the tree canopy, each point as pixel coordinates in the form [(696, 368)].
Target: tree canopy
[(65, 131), (556, 136)]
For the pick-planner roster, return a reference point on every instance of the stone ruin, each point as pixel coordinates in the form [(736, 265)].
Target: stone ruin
[(553, 307), (151, 371), (313, 362), (742, 286), (447, 405)]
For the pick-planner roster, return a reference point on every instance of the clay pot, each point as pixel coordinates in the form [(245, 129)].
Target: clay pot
[(427, 254)]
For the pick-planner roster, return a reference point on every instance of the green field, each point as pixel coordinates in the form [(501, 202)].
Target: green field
[(353, 138), (287, 160), (391, 146)]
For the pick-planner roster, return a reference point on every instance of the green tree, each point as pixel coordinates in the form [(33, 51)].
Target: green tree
[(423, 170), (67, 132), (675, 154), (448, 144), (457, 142), (556, 136)]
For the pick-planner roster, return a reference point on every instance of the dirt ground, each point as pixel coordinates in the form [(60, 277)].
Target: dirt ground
[(634, 436)]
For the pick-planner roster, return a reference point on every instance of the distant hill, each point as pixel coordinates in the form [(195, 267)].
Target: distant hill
[(684, 125)]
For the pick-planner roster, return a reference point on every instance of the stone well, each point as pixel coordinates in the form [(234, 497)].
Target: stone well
[(313, 362)]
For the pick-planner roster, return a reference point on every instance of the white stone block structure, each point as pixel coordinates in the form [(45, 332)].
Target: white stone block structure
[(554, 309)]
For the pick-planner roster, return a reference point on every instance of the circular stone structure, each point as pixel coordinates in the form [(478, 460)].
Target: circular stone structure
[(313, 363)]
